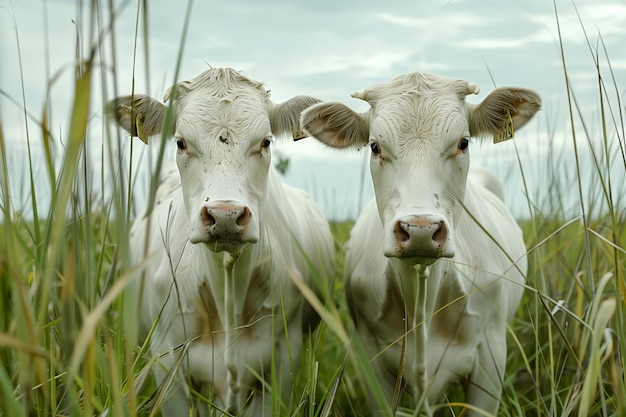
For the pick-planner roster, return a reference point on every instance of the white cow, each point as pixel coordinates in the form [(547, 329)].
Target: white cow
[(437, 263), (225, 241)]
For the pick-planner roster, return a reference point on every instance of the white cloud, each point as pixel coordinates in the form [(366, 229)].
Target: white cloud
[(327, 49), (455, 20), (500, 43)]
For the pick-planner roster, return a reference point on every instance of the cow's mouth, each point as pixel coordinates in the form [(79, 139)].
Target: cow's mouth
[(412, 259), (230, 245)]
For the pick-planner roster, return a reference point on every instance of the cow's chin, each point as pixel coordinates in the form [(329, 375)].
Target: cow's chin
[(413, 260), (229, 246), (418, 258)]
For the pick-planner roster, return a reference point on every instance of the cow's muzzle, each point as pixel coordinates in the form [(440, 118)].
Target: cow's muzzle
[(224, 225), (422, 238)]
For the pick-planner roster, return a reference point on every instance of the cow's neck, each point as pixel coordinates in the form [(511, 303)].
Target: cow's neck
[(231, 317), (414, 284), (228, 277), (420, 295)]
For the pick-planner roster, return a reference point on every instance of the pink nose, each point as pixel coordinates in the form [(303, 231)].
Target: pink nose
[(424, 236), (226, 221)]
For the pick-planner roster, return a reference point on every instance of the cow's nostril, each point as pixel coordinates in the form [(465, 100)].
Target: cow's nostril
[(441, 234), (244, 218), (207, 218), (400, 233)]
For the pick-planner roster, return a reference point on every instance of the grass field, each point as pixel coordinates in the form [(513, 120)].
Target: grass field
[(68, 338)]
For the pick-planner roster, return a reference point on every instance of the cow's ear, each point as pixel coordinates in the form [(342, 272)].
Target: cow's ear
[(335, 125), (285, 116), (139, 115), (503, 112)]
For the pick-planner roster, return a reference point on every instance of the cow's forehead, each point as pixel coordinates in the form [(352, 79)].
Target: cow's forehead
[(244, 117), (221, 82), (419, 84), (223, 102), (222, 88), (241, 101), (419, 106), (433, 117)]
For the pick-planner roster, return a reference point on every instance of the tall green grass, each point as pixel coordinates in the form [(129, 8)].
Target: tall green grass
[(68, 337)]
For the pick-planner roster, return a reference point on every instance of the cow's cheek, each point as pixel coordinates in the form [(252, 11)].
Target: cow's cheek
[(386, 191)]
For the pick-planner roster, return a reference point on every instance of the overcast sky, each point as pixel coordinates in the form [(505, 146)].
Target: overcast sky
[(328, 49)]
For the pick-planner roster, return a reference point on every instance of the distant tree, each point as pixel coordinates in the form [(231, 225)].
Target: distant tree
[(282, 163)]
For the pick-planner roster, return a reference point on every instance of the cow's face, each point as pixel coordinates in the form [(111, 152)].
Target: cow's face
[(224, 126), (418, 129), (223, 143), (419, 164)]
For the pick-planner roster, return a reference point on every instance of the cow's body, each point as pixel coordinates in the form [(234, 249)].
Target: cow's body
[(436, 263), (471, 306), (222, 251)]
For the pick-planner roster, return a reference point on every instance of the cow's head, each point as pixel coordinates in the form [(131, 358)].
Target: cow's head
[(419, 128), (223, 127)]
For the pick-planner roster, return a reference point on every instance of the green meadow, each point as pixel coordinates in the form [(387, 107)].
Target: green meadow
[(68, 330)]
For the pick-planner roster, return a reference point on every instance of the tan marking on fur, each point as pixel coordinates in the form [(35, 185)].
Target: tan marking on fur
[(257, 294), (208, 320)]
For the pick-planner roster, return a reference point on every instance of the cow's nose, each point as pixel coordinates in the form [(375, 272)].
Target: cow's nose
[(225, 216), (225, 221), (424, 236)]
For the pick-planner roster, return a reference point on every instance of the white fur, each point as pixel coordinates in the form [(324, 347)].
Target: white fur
[(451, 300), (218, 309)]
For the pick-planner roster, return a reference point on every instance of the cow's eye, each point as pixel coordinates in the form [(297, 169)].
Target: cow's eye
[(463, 144), (375, 148), (266, 143), (181, 144)]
